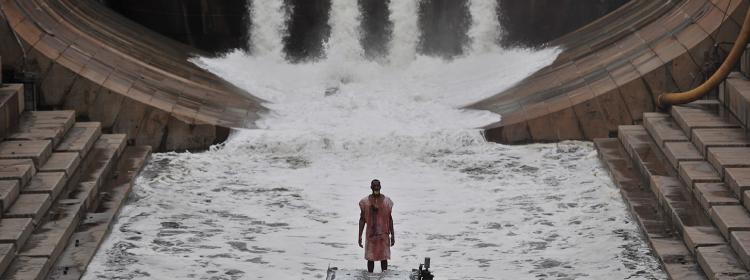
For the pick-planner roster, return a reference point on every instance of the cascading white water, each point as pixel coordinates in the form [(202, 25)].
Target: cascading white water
[(404, 14), (344, 19), (268, 26), (485, 30), (280, 202)]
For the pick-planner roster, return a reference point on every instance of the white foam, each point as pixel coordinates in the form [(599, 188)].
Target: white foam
[(280, 202), (268, 27)]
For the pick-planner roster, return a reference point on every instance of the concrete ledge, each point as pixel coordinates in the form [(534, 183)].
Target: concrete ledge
[(80, 138), (719, 137), (677, 152), (9, 192), (62, 162), (713, 194), (722, 158), (738, 180), (33, 206), (698, 172), (51, 183), (741, 243), (38, 151), (663, 129), (16, 231), (719, 262), (730, 218), (25, 268), (696, 237), (7, 254)]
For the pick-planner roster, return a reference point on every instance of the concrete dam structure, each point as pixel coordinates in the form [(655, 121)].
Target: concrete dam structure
[(428, 95)]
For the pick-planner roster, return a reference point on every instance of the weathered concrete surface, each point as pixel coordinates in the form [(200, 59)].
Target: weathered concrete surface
[(621, 62), (113, 71)]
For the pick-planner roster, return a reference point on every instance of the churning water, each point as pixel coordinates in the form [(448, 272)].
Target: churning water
[(280, 201)]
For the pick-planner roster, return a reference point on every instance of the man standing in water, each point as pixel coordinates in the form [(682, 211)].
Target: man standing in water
[(375, 212)]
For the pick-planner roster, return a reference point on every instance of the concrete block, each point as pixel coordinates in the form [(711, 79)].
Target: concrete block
[(9, 192), (722, 158), (701, 236), (80, 138), (740, 242), (33, 206), (50, 238), (729, 218), (738, 180), (38, 151), (677, 152), (690, 117), (51, 183), (51, 134), (719, 262), (25, 268), (712, 194), (663, 129), (66, 162), (698, 172), (16, 230), (7, 254), (705, 138)]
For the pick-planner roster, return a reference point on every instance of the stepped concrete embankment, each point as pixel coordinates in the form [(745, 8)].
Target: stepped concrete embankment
[(611, 71), (108, 69)]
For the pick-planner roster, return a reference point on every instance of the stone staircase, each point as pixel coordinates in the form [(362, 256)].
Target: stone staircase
[(686, 178), (62, 183)]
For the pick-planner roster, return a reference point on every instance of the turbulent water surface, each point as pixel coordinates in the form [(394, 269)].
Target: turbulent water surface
[(280, 201)]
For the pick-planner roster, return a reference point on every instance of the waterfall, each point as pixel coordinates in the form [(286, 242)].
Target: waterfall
[(344, 19), (404, 14), (268, 27), (485, 30)]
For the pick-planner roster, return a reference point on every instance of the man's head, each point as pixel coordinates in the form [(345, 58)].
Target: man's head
[(375, 187)]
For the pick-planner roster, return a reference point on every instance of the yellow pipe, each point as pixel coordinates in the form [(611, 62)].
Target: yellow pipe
[(669, 99)]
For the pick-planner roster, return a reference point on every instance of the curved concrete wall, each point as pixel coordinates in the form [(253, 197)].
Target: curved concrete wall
[(112, 70), (612, 70)]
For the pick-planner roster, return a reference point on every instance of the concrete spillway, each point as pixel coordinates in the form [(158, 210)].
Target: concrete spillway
[(612, 70), (99, 63)]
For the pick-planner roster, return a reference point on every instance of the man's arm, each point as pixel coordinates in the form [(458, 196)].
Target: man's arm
[(361, 226), (393, 232)]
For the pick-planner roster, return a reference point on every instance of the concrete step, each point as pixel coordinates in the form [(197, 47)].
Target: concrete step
[(702, 114), (95, 227), (15, 231), (66, 162), (730, 218), (9, 192), (50, 238), (694, 172), (48, 122), (38, 151), (722, 158), (737, 98), (51, 183), (663, 129), (7, 253), (25, 268), (675, 257), (677, 152), (741, 243), (720, 262), (713, 194), (738, 180), (32, 206), (17, 169), (706, 138), (702, 236), (80, 138)]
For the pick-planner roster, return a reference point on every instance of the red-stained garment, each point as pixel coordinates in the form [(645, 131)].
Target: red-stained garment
[(377, 214)]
